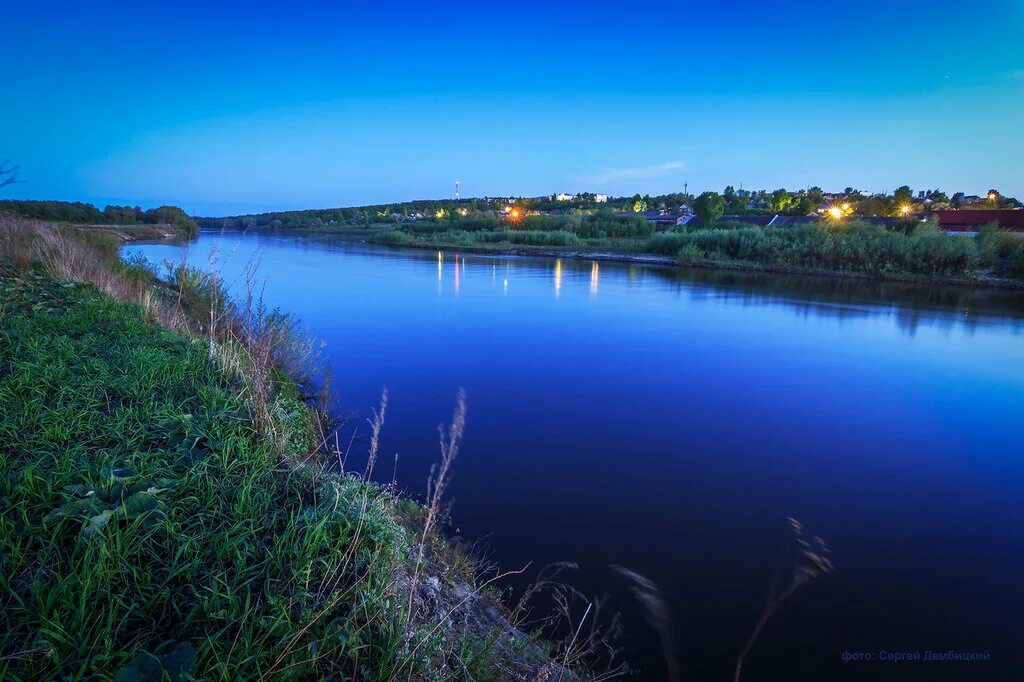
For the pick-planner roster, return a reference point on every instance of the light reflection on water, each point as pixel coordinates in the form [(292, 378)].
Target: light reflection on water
[(668, 420)]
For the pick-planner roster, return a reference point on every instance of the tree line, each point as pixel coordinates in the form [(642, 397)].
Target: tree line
[(82, 213)]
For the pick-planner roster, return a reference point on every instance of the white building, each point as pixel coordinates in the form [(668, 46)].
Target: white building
[(598, 198)]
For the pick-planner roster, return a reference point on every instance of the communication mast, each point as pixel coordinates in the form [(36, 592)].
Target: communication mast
[(456, 190)]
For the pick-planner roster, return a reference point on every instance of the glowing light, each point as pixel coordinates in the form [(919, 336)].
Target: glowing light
[(457, 280), (904, 210), (835, 212), (558, 276), (515, 214), (846, 207), (439, 214), (463, 212), (992, 196), (440, 262), (593, 278)]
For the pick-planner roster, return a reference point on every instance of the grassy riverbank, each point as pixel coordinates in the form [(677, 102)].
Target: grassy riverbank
[(167, 507), (845, 249)]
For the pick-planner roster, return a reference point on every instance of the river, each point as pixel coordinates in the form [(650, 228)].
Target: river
[(669, 421)]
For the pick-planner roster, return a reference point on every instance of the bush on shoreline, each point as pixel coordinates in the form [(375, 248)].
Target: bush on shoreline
[(855, 247)]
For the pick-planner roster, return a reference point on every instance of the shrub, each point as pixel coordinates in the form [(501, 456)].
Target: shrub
[(690, 254), (475, 223), (994, 243), (666, 243), (1015, 262), (394, 236), (850, 246), (530, 237), (732, 224), (605, 225)]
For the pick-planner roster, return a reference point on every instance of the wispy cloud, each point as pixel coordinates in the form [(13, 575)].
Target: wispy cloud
[(630, 173)]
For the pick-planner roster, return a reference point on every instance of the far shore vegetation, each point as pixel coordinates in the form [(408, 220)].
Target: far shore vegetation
[(87, 214), (880, 236)]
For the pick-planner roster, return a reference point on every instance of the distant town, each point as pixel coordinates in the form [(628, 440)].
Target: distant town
[(766, 208)]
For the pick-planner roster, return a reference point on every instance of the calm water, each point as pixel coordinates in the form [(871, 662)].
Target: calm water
[(669, 421)]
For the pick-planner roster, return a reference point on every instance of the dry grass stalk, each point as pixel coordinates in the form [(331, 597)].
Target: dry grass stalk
[(591, 641), (437, 484), (808, 560), (658, 614)]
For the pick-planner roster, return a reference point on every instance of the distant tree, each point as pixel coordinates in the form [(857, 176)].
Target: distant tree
[(804, 206), (816, 195), (734, 203), (875, 206), (781, 200), (8, 174), (709, 207), (957, 200), (903, 195), (639, 205), (938, 196), (121, 215)]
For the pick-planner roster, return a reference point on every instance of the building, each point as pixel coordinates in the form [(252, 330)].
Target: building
[(601, 198), (564, 197), (972, 221), (786, 220), (759, 220)]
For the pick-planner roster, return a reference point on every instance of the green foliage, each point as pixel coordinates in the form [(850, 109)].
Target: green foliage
[(903, 195), (667, 243), (66, 211), (87, 214), (606, 224), (731, 224), (803, 206), (689, 254), (512, 237), (856, 247), (148, 532), (1015, 261), (709, 207), (734, 202), (176, 665), (995, 243), (781, 200)]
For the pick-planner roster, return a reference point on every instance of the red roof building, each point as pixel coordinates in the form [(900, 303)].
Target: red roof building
[(970, 221)]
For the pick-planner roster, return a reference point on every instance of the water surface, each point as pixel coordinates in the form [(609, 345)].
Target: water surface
[(669, 420)]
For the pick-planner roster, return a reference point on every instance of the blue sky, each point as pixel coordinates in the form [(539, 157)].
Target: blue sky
[(237, 107)]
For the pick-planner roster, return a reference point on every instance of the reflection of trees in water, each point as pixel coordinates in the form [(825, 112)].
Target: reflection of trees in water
[(910, 304)]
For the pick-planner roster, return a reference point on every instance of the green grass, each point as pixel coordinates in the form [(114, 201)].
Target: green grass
[(142, 513), (844, 248)]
